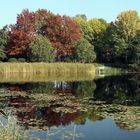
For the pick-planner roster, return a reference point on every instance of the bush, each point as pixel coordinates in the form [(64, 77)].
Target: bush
[(21, 60), (84, 52), (12, 60), (40, 50)]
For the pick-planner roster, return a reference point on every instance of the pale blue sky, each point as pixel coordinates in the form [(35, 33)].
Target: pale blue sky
[(107, 9)]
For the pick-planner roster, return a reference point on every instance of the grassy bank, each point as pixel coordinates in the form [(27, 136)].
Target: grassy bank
[(46, 68), (43, 72), (46, 72)]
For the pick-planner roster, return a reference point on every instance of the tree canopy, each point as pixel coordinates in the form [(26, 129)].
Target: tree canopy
[(72, 38), (40, 50)]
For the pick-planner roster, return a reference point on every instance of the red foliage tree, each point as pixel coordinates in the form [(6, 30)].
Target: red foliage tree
[(22, 33), (63, 33)]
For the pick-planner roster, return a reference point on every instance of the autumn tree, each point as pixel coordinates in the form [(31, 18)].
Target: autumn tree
[(22, 33), (42, 17), (63, 32)]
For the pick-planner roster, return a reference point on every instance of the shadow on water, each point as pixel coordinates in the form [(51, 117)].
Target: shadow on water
[(44, 106)]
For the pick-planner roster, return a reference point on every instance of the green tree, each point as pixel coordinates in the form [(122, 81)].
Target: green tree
[(3, 42), (86, 30), (136, 53), (99, 27), (120, 42), (106, 48), (40, 50), (85, 52), (127, 26), (82, 16)]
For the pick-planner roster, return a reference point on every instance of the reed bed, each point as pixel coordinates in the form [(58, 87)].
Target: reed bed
[(10, 130), (40, 72)]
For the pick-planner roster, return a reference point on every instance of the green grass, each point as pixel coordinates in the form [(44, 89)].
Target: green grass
[(46, 68), (37, 72), (109, 70)]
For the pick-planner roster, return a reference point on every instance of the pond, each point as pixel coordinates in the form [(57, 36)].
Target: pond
[(106, 108)]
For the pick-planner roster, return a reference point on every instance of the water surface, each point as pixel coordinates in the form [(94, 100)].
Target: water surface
[(103, 109)]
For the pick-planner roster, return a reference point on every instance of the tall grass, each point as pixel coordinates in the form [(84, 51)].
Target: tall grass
[(46, 71), (46, 68), (10, 130)]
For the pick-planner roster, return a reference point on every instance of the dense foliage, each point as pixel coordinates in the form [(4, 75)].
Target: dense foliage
[(72, 38), (63, 32), (40, 50), (3, 42), (85, 52), (85, 28), (21, 34)]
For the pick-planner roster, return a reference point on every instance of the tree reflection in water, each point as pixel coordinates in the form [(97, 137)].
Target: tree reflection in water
[(45, 105)]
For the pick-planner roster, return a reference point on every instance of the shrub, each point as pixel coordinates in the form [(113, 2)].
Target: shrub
[(12, 60)]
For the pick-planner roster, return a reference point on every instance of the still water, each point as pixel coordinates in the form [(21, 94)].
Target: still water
[(103, 109)]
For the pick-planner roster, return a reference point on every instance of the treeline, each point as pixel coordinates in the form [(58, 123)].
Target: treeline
[(42, 36)]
